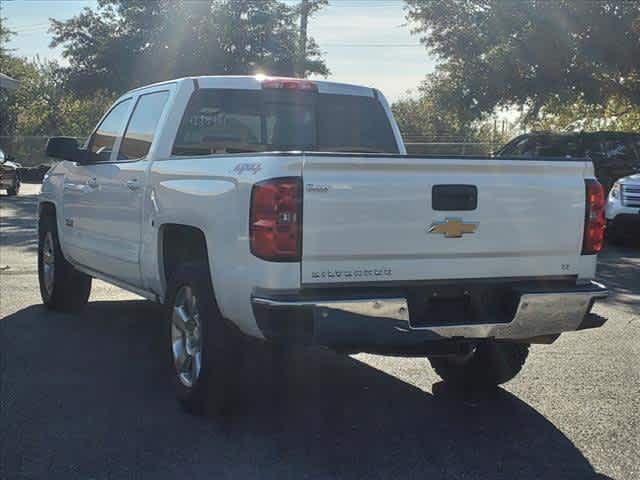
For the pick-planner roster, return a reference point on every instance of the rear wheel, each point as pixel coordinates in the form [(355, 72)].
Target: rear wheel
[(488, 365), (614, 235), (15, 190), (204, 347), (62, 287)]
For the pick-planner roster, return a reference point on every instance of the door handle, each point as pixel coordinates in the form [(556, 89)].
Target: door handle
[(133, 184), (93, 182)]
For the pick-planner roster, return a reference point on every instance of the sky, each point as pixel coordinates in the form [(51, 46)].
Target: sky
[(364, 41)]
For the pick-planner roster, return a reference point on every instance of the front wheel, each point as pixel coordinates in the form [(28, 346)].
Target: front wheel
[(15, 190), (62, 287), (614, 235), (488, 365)]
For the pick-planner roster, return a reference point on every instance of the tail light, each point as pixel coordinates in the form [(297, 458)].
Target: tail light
[(275, 232), (594, 222), (289, 84)]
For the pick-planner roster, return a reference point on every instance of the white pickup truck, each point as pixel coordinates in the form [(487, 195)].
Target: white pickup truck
[(288, 210)]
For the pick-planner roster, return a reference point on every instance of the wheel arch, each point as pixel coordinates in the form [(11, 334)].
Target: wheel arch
[(46, 207), (180, 243)]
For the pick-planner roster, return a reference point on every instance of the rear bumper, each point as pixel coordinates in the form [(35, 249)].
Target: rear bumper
[(383, 324)]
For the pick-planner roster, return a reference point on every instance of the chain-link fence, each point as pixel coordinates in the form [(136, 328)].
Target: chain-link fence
[(28, 151)]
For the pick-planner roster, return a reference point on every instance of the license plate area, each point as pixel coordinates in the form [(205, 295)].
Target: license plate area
[(449, 198), (455, 306)]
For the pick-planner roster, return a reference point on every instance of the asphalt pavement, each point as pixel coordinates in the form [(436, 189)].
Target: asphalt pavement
[(86, 396)]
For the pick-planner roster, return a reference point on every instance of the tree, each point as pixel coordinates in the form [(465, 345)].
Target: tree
[(430, 119), (41, 106), (531, 52), (305, 9), (5, 36), (613, 115), (8, 66), (421, 117), (428, 129), (122, 44)]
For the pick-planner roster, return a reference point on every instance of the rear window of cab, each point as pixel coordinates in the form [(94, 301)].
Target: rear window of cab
[(218, 121)]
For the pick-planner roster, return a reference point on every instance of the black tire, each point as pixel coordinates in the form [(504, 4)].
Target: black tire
[(71, 288), (15, 190), (613, 235), (214, 391), (491, 364)]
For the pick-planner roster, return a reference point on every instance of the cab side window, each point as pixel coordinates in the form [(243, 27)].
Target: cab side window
[(102, 141), (525, 147), (142, 126), (592, 146), (509, 149), (636, 143)]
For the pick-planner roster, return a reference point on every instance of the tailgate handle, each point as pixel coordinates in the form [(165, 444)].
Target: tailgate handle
[(454, 197)]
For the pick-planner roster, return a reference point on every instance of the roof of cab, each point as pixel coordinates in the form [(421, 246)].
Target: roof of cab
[(253, 82)]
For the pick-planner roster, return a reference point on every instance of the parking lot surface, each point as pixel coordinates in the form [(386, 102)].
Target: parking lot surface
[(87, 396)]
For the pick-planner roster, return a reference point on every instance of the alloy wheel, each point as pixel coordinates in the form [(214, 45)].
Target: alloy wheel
[(48, 263), (186, 336)]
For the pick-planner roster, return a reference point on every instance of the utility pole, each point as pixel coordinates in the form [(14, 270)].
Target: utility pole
[(305, 7)]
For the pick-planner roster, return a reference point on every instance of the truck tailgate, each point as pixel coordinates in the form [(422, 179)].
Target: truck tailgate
[(379, 218)]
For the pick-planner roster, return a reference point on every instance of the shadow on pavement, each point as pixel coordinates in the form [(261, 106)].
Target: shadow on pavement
[(18, 222), (619, 270), (87, 396)]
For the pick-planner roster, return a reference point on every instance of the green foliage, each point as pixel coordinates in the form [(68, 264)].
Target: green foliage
[(82, 114), (5, 36), (312, 6), (421, 117), (530, 52), (41, 106), (615, 115), (7, 104), (7, 66), (124, 44), (426, 118)]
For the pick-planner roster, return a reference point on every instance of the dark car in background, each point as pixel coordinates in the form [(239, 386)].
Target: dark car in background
[(614, 154), (9, 175)]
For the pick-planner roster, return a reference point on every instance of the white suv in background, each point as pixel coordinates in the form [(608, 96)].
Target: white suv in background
[(623, 209)]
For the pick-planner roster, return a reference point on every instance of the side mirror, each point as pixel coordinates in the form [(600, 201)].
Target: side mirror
[(64, 148)]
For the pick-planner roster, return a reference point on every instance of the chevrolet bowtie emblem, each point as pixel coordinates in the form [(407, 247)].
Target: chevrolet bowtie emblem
[(453, 227)]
